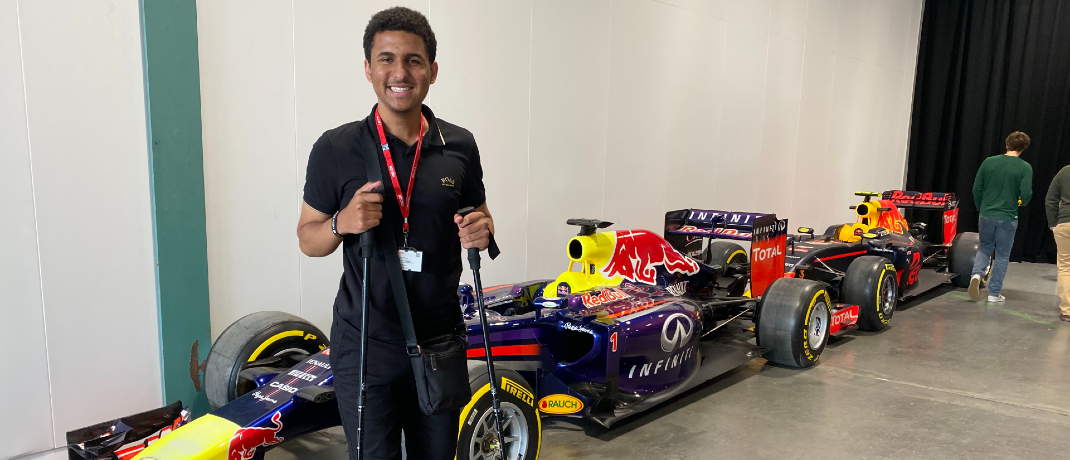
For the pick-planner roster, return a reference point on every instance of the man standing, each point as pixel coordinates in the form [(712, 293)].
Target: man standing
[(1003, 183), (1057, 204), (433, 169)]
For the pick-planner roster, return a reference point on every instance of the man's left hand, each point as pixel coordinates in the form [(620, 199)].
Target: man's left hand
[(474, 230)]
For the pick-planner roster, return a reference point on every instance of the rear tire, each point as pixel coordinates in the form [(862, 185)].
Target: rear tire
[(254, 337), (963, 253), (794, 321), (522, 427), (724, 253), (871, 284)]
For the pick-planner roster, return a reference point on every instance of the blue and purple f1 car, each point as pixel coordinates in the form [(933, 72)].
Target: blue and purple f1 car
[(632, 322)]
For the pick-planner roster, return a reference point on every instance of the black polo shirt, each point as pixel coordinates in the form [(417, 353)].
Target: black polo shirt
[(448, 177)]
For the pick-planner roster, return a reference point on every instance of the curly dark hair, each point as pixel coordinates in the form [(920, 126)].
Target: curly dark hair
[(401, 19)]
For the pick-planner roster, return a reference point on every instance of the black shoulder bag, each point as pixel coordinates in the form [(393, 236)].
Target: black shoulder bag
[(440, 363)]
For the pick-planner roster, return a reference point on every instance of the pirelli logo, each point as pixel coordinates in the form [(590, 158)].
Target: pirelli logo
[(520, 392)]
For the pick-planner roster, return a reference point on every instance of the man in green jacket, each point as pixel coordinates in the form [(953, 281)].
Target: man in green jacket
[(1003, 183), (1057, 204)]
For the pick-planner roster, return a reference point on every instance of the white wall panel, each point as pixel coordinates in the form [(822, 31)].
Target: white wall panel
[(693, 109), (25, 371), (788, 19), (775, 178), (899, 39), (822, 24), (568, 124), (636, 137), (87, 137), (891, 136), (751, 14), (812, 177), (663, 122), (247, 111), (741, 117), (713, 8), (491, 100), (330, 90)]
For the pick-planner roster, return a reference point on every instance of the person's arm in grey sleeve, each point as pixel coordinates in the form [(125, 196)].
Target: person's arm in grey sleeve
[(1051, 201), (1026, 192), (979, 186)]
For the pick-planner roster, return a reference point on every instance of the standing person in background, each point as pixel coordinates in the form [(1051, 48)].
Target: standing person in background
[(1057, 204), (1003, 183)]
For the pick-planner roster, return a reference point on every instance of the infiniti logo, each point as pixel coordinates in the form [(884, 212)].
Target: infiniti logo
[(681, 334)]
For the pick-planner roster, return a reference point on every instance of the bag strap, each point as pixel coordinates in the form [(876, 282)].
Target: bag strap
[(390, 246)]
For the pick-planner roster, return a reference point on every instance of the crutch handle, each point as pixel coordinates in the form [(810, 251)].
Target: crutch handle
[(473, 253), (367, 241)]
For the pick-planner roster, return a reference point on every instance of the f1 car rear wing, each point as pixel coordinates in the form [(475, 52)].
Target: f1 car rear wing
[(946, 202), (686, 228), (711, 224), (921, 200)]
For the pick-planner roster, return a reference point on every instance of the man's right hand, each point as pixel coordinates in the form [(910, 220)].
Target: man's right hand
[(363, 212)]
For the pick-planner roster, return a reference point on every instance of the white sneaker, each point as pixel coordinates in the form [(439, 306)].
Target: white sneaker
[(996, 298), (975, 287)]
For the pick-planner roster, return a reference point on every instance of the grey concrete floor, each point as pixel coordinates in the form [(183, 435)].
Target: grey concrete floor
[(949, 379)]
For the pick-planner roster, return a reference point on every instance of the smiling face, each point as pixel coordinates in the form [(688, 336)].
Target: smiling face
[(400, 71)]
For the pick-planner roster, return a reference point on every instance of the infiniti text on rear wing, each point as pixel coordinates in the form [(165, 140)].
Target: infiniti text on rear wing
[(711, 224)]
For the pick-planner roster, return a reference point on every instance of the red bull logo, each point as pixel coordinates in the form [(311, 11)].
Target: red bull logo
[(607, 295), (891, 220), (637, 254), (245, 442)]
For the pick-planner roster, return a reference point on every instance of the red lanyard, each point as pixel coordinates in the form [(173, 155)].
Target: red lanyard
[(403, 201)]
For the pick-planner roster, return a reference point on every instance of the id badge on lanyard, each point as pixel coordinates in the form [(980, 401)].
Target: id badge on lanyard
[(411, 259)]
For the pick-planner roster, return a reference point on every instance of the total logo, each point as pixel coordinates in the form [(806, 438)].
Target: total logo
[(847, 316), (762, 254), (951, 218), (560, 404), (607, 295)]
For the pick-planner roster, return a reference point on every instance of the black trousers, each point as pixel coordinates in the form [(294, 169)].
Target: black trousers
[(391, 403)]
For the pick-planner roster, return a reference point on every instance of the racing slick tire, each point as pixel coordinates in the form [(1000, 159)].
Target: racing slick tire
[(724, 252), (963, 252), (871, 284), (789, 306), (522, 426), (255, 337)]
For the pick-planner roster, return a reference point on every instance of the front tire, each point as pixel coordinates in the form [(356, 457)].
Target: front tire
[(522, 428), (794, 321), (255, 337), (871, 284)]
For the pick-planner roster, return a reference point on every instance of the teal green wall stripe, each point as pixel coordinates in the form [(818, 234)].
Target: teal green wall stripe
[(173, 101)]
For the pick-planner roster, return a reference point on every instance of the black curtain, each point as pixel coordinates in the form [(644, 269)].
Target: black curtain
[(987, 68)]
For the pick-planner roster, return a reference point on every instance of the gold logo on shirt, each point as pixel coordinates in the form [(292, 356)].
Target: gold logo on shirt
[(447, 181)]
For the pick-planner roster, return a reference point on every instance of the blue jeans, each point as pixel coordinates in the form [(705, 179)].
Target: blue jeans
[(996, 234)]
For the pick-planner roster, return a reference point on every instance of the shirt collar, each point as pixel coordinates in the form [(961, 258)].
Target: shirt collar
[(434, 133)]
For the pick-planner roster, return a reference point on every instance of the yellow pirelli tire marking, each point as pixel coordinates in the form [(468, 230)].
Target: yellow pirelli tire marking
[(806, 323), (880, 309), (273, 339)]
